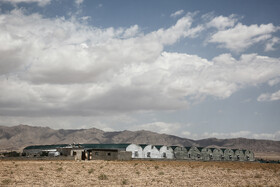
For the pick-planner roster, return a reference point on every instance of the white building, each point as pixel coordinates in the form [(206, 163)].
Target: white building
[(150, 151), (166, 152), (137, 151)]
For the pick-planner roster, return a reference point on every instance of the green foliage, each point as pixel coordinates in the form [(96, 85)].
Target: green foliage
[(156, 167), (161, 173), (90, 170), (6, 181), (124, 182), (41, 168), (59, 169), (102, 177)]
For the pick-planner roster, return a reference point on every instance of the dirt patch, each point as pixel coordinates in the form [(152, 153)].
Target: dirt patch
[(137, 173)]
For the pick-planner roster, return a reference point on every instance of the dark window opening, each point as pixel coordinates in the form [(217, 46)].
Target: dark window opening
[(136, 153), (238, 157), (74, 153), (247, 157), (198, 155), (164, 155), (148, 154), (108, 154), (230, 157)]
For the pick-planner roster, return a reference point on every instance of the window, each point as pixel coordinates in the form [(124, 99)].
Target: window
[(164, 155), (230, 156), (74, 153), (198, 155), (189, 155), (108, 154), (238, 157), (148, 154), (136, 153)]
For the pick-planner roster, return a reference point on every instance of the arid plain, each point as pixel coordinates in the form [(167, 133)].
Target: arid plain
[(137, 173)]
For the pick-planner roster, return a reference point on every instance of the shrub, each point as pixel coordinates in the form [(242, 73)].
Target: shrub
[(59, 169), (161, 173), (41, 168), (156, 167), (102, 177), (258, 176), (124, 182), (6, 181), (90, 171)]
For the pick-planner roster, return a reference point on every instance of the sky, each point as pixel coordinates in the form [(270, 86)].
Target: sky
[(195, 69)]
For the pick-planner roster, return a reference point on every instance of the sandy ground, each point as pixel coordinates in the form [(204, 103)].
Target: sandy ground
[(137, 173)]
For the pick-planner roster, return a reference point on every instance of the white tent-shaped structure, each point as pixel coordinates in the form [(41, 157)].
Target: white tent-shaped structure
[(136, 150), (165, 152), (150, 151)]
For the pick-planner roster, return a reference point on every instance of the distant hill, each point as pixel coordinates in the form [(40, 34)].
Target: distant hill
[(18, 137)]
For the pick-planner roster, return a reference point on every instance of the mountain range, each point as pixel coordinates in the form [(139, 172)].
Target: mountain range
[(18, 137)]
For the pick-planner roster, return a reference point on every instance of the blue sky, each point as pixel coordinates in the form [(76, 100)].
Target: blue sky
[(195, 69)]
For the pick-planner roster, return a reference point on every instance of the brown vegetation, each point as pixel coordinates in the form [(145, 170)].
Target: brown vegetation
[(137, 173)]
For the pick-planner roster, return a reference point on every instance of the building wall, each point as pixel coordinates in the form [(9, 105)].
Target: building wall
[(150, 151), (194, 153), (218, 154), (206, 154), (181, 153), (77, 154), (249, 156), (136, 150), (124, 155), (166, 152), (101, 154), (239, 155), (228, 154)]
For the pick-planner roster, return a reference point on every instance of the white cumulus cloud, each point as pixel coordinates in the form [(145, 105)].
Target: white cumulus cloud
[(240, 37), (177, 13), (270, 96), (39, 2)]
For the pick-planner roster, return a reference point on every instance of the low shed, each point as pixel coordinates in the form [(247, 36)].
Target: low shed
[(107, 154)]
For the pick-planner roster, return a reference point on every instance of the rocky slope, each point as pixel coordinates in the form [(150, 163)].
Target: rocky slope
[(18, 137)]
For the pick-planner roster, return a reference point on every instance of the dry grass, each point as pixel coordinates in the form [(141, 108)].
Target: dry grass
[(137, 173)]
